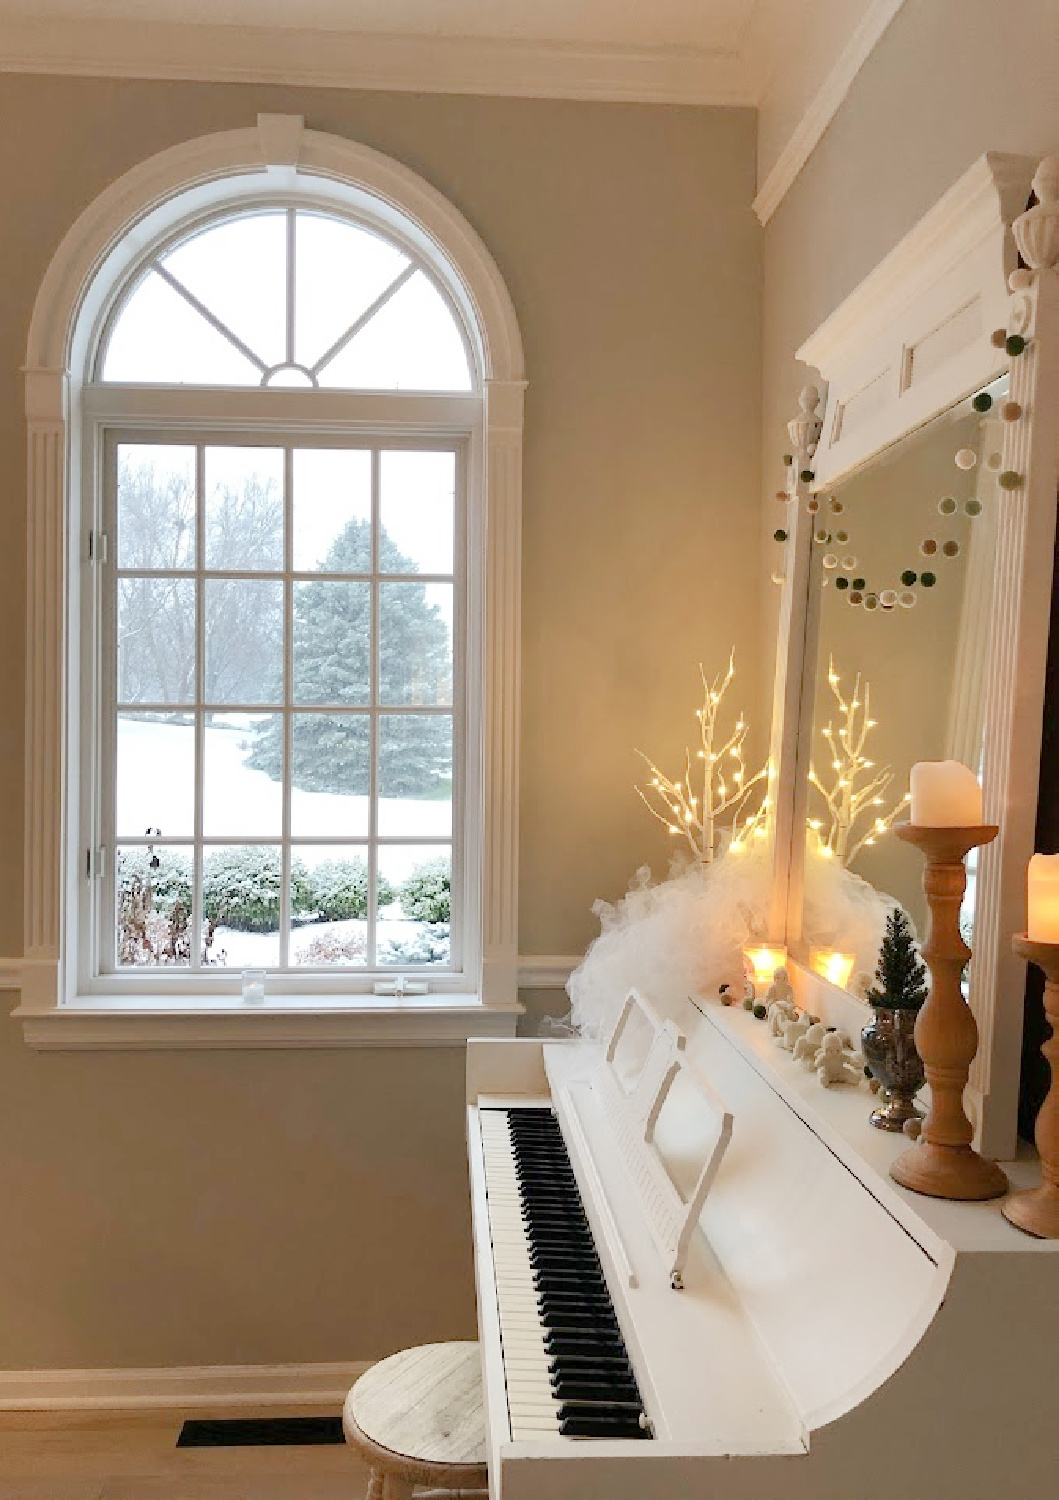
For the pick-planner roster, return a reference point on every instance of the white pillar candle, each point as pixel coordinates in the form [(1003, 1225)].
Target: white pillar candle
[(1043, 898), (945, 794)]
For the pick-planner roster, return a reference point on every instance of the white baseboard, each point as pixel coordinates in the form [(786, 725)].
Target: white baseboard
[(191, 1388)]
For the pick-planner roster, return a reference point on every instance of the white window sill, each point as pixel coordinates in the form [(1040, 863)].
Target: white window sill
[(117, 1023)]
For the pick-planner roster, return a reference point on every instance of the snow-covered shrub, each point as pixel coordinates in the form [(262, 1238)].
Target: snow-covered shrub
[(166, 871), (426, 895), (337, 889), (241, 888), (428, 945)]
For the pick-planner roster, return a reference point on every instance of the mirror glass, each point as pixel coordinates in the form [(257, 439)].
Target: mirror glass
[(902, 571)]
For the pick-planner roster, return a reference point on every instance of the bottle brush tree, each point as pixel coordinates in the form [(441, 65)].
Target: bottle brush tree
[(900, 974)]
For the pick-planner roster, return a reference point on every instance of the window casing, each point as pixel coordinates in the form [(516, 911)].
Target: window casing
[(66, 1001)]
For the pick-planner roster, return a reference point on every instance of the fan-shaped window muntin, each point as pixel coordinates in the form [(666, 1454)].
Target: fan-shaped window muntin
[(279, 296)]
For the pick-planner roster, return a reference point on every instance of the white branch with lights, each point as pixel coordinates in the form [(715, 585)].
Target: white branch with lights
[(693, 805), (857, 784)]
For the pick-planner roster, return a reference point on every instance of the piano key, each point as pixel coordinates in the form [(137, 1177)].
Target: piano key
[(552, 1297)]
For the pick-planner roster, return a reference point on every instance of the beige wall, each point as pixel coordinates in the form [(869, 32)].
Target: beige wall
[(241, 1207)]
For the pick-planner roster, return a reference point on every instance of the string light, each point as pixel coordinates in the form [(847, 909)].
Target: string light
[(697, 814), (854, 788)]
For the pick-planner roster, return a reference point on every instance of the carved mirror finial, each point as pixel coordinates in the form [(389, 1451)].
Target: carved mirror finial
[(1037, 230), (804, 429)]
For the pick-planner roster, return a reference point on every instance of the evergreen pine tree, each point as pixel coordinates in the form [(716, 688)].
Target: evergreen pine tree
[(332, 664), (900, 975)]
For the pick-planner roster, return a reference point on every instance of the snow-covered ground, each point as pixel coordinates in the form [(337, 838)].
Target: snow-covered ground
[(156, 789)]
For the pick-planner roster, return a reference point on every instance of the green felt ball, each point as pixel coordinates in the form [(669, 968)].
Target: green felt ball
[(908, 578), (871, 601), (947, 505), (860, 583), (841, 583), (973, 507), (748, 1005), (807, 476), (1009, 480), (983, 401), (928, 580), (788, 459), (1014, 344), (760, 1012), (779, 536), (842, 536)]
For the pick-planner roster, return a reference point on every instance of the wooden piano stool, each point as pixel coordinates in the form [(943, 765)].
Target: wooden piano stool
[(418, 1418)]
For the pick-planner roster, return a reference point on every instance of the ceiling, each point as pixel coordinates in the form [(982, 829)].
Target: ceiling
[(688, 51)]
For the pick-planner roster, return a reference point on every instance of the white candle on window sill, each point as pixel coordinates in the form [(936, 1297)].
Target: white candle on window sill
[(945, 794), (1043, 899)]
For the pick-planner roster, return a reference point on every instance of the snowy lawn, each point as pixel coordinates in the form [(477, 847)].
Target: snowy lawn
[(156, 789)]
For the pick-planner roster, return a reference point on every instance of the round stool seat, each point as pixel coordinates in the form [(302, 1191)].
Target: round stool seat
[(418, 1418)]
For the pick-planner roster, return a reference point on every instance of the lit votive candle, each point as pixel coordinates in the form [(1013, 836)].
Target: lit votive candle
[(1043, 902), (945, 794), (253, 986)]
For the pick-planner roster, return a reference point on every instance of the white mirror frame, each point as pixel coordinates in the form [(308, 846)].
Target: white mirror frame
[(912, 340)]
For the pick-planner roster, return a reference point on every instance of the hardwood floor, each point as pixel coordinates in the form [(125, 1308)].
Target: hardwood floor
[(133, 1456)]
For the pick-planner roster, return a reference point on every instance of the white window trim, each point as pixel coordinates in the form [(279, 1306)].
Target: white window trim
[(92, 262)]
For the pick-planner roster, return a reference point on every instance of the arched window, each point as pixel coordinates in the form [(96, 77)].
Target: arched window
[(290, 658)]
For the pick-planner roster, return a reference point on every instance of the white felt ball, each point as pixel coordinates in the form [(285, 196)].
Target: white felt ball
[(888, 598), (849, 561), (777, 577), (830, 560), (907, 599), (966, 458)]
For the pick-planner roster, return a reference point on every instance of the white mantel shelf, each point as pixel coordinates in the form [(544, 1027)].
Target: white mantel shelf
[(839, 1116)]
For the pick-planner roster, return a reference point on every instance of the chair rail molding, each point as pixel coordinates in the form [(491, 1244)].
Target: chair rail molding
[(99, 251)]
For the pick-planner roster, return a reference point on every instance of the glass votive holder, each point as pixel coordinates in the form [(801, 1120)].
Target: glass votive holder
[(253, 986)]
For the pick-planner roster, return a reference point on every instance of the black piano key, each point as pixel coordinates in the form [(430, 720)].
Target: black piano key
[(618, 1411), (602, 1427), (589, 1367)]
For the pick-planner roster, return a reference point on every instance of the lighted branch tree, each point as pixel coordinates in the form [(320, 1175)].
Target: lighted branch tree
[(857, 786), (718, 791)]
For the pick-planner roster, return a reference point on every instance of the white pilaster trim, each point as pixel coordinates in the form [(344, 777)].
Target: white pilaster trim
[(502, 680), (823, 107), (183, 1387), (1014, 705)]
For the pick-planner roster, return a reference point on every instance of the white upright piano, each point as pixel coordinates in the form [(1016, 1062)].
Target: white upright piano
[(695, 1278)]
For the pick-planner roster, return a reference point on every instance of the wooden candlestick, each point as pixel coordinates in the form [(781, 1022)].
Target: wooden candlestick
[(942, 1164), (1037, 1212)]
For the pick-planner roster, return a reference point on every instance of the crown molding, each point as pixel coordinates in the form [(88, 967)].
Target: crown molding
[(336, 59), (823, 107)]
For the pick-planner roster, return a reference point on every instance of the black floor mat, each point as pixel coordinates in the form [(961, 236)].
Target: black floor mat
[(260, 1432)]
